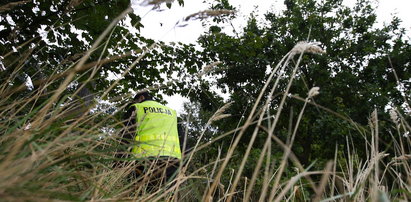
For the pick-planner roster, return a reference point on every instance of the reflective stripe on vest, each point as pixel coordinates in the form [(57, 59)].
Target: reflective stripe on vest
[(156, 133)]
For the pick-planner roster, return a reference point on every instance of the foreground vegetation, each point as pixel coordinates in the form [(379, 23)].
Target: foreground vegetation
[(326, 120)]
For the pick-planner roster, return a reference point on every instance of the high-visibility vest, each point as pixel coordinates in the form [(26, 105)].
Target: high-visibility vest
[(156, 131)]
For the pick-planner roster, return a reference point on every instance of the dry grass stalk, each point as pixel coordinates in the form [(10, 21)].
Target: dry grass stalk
[(59, 145), (279, 110), (313, 92), (219, 114), (287, 58), (78, 66), (364, 174), (249, 121), (404, 157), (135, 62), (323, 182), (292, 182), (256, 171)]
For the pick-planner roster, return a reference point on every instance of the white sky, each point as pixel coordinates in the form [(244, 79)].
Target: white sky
[(161, 25), (167, 31)]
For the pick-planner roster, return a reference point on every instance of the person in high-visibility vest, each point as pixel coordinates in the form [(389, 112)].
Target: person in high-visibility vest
[(155, 137)]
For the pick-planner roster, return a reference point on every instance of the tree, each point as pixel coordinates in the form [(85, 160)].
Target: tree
[(51, 36), (355, 76)]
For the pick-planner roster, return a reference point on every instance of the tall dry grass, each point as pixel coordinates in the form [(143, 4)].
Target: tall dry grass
[(51, 149)]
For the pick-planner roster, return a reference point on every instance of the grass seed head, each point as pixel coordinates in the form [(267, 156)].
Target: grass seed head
[(373, 121), (208, 13), (155, 2), (309, 47), (394, 116), (219, 114), (27, 127), (208, 68), (314, 91)]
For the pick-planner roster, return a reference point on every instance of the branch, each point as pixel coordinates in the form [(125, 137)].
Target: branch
[(83, 68)]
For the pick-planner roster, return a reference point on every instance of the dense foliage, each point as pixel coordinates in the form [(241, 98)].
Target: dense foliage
[(68, 66), (356, 76), (45, 38)]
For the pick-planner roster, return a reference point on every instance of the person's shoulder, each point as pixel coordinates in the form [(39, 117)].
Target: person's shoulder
[(152, 102), (131, 106), (156, 104), (148, 103)]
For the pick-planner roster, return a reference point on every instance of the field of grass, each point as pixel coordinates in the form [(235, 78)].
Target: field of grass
[(48, 152), (56, 147)]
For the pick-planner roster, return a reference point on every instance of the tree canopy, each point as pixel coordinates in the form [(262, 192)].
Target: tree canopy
[(366, 68), (51, 36), (355, 76)]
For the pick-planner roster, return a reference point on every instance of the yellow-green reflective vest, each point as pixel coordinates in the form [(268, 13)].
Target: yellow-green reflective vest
[(156, 131)]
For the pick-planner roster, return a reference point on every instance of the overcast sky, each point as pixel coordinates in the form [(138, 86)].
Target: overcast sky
[(161, 24)]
